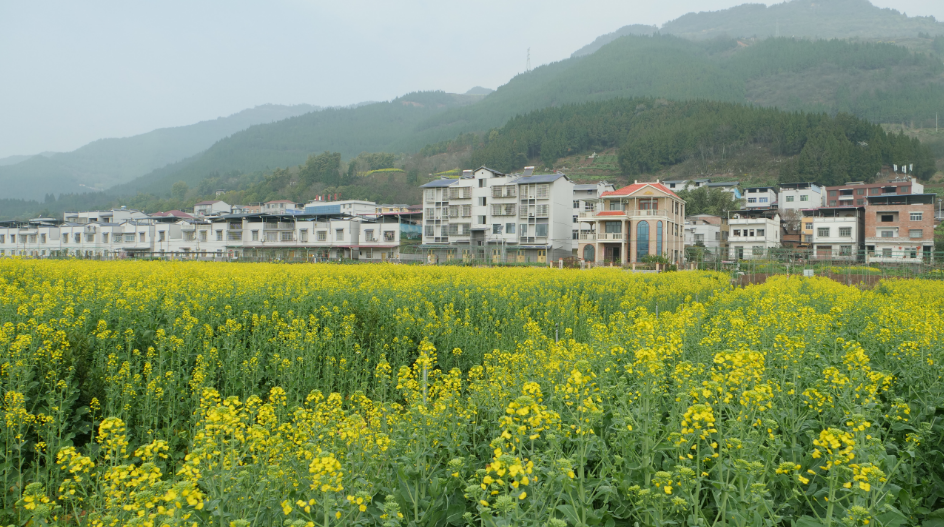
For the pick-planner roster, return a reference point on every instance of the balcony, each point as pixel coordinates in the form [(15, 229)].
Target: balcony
[(624, 214), (899, 240), (610, 236), (588, 236)]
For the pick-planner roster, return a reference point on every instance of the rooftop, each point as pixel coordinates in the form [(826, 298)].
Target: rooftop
[(636, 187)]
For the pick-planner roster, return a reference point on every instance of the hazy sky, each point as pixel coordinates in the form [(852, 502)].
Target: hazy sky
[(72, 72)]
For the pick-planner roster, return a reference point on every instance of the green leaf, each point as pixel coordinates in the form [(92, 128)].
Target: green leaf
[(807, 521)]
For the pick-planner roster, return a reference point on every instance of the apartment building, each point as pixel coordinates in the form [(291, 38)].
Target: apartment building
[(798, 196), (838, 232), (856, 193), (231, 236), (899, 228), (685, 184), (704, 230), (489, 215), (752, 233), (633, 222), (350, 207), (760, 197), (585, 197)]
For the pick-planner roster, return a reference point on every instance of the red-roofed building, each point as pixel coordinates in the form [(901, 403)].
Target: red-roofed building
[(632, 222)]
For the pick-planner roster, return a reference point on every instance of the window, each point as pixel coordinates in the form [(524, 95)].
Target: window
[(845, 232), (141, 236), (429, 232), (916, 233), (543, 191), (188, 236), (219, 236), (255, 236), (510, 228), (717, 234), (576, 204), (482, 183), (832, 203), (808, 238), (481, 220), (613, 227), (78, 238), (389, 236), (762, 200), (789, 199), (804, 197), (2, 238), (860, 202), (649, 204), (752, 200), (616, 204), (699, 238), (737, 232), (467, 211), (887, 218), (589, 206), (90, 238), (574, 235), (916, 216), (822, 231), (13, 238), (860, 192), (339, 234), (575, 219), (888, 234), (482, 201), (369, 233), (129, 237), (808, 226), (542, 211), (757, 250), (760, 232), (832, 193), (203, 236), (524, 229), (540, 230), (497, 228), (886, 253), (286, 236), (323, 235)]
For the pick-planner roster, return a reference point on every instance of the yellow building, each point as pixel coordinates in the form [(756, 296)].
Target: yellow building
[(632, 222)]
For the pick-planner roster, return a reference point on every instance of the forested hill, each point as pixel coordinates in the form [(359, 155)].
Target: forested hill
[(653, 134), (350, 131), (880, 82), (804, 18), (108, 162)]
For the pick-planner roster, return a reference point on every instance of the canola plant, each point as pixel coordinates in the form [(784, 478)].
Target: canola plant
[(169, 393)]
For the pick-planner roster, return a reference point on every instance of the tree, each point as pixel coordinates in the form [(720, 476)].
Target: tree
[(704, 200), (179, 190)]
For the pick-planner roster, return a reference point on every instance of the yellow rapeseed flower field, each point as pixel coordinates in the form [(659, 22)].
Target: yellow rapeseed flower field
[(171, 393)]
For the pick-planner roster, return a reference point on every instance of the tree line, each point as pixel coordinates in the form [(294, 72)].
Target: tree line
[(654, 134)]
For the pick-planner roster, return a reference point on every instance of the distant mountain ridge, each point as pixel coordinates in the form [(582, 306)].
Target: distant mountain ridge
[(108, 162)]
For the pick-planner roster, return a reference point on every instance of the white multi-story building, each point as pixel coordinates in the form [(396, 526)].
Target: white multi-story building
[(838, 233), (585, 199), (704, 230), (798, 196), (350, 207), (753, 233), (760, 197), (488, 215), (685, 184), (233, 236)]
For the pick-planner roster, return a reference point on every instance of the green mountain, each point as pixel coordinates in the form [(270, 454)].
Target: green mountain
[(108, 162), (350, 131), (654, 134), (804, 18)]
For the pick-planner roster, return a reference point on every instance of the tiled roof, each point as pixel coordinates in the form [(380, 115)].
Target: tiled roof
[(611, 213), (636, 187)]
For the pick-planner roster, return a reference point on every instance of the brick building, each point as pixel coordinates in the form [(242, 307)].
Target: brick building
[(899, 227)]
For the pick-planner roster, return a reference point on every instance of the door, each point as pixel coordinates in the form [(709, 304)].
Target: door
[(589, 253), (542, 255), (739, 253), (496, 255)]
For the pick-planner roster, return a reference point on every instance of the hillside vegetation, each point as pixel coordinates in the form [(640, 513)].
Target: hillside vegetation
[(108, 162), (888, 84), (804, 18), (654, 134)]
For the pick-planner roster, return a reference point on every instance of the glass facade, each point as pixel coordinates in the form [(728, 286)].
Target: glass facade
[(642, 239)]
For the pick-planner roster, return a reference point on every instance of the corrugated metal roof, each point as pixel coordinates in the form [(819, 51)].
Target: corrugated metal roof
[(439, 183), (539, 178)]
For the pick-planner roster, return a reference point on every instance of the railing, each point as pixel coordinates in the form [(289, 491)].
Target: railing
[(588, 236), (610, 236), (628, 213), (897, 239)]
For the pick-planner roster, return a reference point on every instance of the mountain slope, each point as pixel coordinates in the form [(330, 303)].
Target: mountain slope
[(107, 162), (804, 18), (370, 128)]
